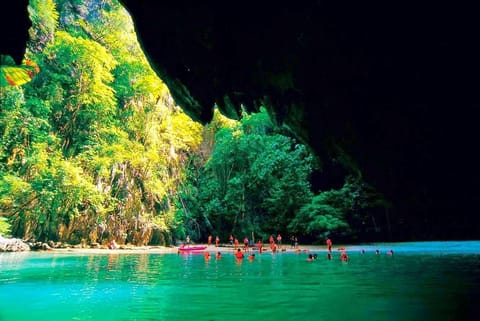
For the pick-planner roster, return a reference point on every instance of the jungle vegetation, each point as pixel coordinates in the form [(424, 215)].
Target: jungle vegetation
[(94, 148)]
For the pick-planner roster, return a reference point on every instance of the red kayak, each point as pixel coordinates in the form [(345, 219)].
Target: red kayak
[(193, 248)]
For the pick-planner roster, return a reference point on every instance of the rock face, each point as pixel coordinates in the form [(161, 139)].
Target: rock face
[(13, 245), (14, 23), (376, 89)]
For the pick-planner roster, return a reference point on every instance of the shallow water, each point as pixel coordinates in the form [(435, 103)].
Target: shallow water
[(421, 281)]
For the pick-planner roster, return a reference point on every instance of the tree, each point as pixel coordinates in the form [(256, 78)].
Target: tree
[(255, 179)]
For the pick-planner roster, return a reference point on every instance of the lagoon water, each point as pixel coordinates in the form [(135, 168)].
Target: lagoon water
[(422, 281)]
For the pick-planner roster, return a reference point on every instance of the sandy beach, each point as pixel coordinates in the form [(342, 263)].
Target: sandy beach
[(174, 249)]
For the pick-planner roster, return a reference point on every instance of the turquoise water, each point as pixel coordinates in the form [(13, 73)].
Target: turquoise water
[(421, 281)]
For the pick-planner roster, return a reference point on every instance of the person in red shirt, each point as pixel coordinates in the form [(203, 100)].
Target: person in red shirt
[(235, 244), (260, 246), (112, 245), (329, 245), (218, 256), (245, 243), (273, 246), (271, 239), (239, 254)]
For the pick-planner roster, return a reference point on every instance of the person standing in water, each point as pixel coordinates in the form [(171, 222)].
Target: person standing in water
[(239, 254), (260, 246), (329, 245)]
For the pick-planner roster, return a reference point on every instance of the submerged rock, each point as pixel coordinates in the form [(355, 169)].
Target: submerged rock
[(13, 245)]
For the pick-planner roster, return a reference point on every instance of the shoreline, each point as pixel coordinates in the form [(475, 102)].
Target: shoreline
[(426, 247), (175, 250)]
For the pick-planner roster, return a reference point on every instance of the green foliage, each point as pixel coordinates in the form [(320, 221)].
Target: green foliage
[(255, 179), (326, 212), (4, 227), (44, 17), (82, 100), (94, 147)]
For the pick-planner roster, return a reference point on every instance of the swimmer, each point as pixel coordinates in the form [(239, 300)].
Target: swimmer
[(251, 257), (218, 255)]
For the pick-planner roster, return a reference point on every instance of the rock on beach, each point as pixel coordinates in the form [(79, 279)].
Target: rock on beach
[(13, 245)]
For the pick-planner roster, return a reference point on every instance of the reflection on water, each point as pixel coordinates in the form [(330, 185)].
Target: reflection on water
[(421, 281)]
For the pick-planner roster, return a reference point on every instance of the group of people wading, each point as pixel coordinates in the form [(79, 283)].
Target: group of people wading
[(275, 244)]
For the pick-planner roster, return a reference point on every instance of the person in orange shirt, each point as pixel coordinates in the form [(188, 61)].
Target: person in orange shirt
[(235, 244), (251, 257), (207, 256)]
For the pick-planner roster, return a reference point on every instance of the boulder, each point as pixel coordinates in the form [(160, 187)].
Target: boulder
[(13, 245)]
